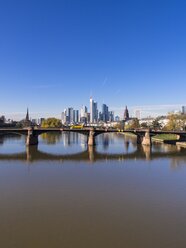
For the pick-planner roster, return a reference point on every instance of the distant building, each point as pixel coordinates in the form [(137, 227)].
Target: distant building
[(183, 110), (70, 116), (138, 114), (34, 121), (83, 111), (93, 111), (26, 122), (76, 116), (40, 120), (117, 118), (83, 114), (148, 121), (2, 120), (126, 114), (105, 113), (88, 117), (111, 116)]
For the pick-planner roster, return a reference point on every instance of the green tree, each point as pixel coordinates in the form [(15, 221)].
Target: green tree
[(156, 124), (51, 122), (144, 125), (133, 124)]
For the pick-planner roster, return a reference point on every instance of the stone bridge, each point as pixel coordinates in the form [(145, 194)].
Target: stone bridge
[(143, 135)]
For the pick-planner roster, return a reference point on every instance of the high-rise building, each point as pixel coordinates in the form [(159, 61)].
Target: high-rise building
[(105, 113), (117, 118), (83, 111), (183, 110), (63, 117), (70, 115), (111, 116), (40, 120), (76, 116), (100, 117), (93, 111)]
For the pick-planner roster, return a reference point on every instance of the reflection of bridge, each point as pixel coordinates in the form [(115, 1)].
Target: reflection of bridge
[(142, 152), (143, 136)]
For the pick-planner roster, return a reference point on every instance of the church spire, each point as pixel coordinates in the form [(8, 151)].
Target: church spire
[(126, 114), (27, 115)]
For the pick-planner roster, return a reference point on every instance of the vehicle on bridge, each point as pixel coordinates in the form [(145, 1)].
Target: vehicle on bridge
[(77, 126)]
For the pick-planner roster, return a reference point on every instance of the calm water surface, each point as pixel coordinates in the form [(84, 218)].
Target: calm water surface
[(118, 194)]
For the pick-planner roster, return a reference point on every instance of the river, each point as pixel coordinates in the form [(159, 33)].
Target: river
[(118, 194)]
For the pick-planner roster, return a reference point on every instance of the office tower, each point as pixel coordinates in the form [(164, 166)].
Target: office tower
[(76, 116), (63, 117), (83, 111), (100, 117), (111, 116), (183, 110), (105, 113), (70, 115), (93, 111)]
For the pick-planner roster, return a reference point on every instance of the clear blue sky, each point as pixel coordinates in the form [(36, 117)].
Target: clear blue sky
[(55, 54)]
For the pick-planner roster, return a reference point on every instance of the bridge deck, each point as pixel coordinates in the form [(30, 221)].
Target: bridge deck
[(86, 130)]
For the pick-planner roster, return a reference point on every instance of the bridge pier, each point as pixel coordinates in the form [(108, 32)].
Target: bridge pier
[(139, 139), (144, 139), (32, 137), (147, 139), (91, 137), (30, 152), (91, 151), (147, 151)]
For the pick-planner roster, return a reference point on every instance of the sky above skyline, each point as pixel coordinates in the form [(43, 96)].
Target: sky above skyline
[(55, 54)]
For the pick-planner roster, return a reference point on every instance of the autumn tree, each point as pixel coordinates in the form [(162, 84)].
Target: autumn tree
[(51, 122), (176, 122)]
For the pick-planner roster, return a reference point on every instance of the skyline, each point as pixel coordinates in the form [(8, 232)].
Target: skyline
[(56, 54), (145, 111)]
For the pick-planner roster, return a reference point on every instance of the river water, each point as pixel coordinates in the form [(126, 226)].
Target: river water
[(115, 195)]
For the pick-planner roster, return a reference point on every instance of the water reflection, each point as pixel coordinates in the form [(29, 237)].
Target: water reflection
[(64, 143), (51, 138), (73, 147), (12, 143), (128, 198)]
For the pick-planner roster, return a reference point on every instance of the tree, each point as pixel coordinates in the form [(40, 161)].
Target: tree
[(176, 122), (156, 124), (144, 125), (51, 122), (133, 124)]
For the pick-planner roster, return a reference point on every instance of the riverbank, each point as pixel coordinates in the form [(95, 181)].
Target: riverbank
[(181, 144), (165, 138)]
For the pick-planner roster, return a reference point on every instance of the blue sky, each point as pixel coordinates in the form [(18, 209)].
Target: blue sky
[(55, 54)]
